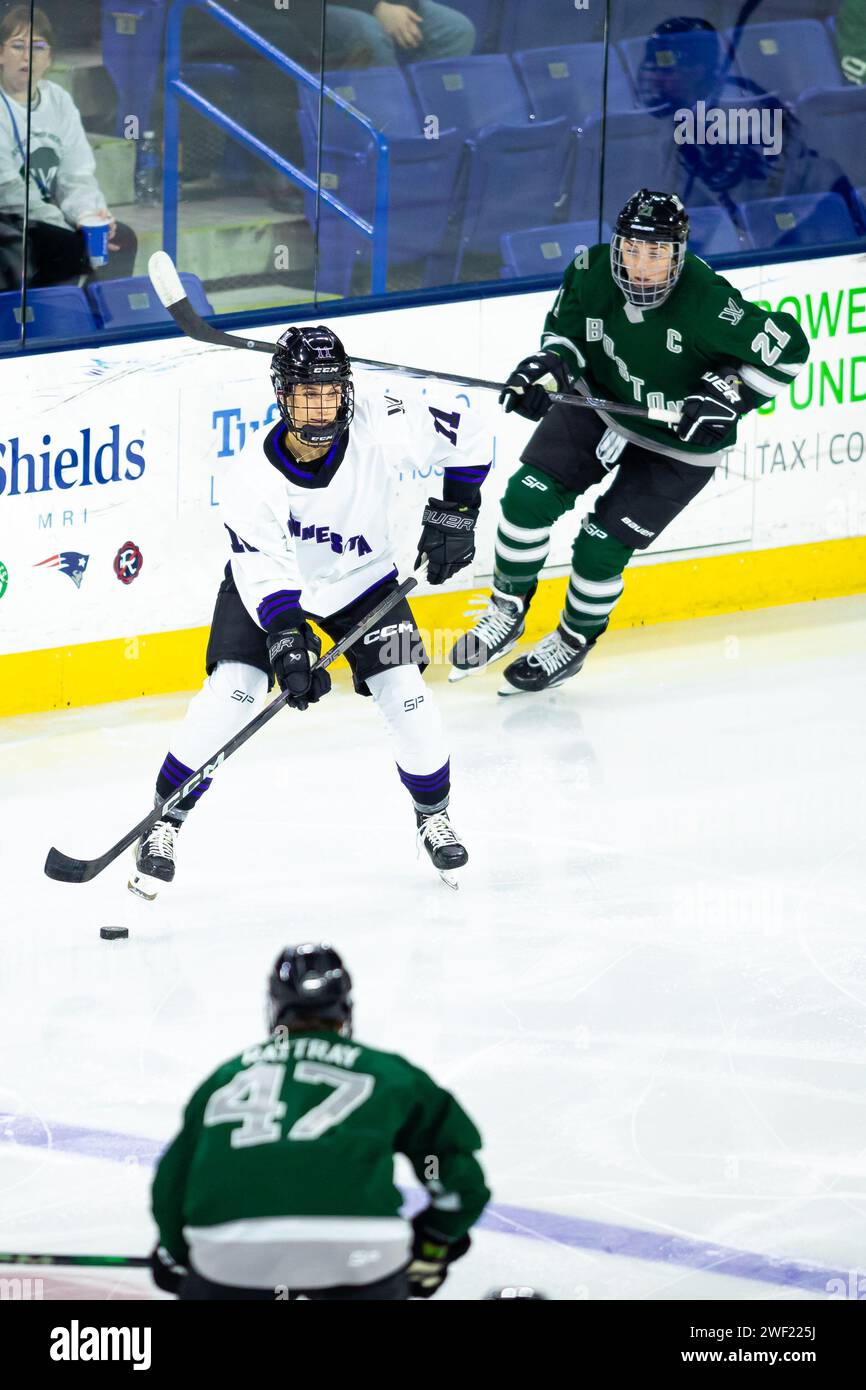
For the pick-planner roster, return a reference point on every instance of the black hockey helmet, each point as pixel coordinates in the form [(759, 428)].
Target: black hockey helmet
[(309, 981), (659, 218), (312, 356)]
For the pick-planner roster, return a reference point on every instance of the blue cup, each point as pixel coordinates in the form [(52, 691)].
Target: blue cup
[(95, 231)]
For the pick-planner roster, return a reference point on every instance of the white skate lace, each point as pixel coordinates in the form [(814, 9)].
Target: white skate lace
[(437, 831), (494, 624), (551, 654), (160, 841)]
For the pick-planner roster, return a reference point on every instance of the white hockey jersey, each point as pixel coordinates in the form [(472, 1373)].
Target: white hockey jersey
[(317, 537)]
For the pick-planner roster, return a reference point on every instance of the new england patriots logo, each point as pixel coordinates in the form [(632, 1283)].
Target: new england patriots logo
[(70, 562)]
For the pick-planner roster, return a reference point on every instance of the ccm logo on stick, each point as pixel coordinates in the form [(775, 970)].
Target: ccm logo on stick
[(381, 634)]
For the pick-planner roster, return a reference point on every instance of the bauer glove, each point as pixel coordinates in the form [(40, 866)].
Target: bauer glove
[(431, 1256), (447, 538), (711, 412), (168, 1275), (523, 391), (292, 653)]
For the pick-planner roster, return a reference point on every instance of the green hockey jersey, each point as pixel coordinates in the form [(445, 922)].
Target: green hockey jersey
[(656, 357), (283, 1171)]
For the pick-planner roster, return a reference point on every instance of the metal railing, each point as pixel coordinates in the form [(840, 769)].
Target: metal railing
[(176, 90)]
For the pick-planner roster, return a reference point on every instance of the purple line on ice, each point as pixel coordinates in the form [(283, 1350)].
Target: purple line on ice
[(629, 1242)]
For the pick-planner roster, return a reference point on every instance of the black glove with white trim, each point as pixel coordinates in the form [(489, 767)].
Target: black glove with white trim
[(524, 393), (711, 411), (168, 1275), (292, 652), (447, 538), (431, 1256)]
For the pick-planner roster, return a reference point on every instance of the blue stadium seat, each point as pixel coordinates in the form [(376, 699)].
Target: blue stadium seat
[(712, 233), (787, 58), (514, 167), (133, 302), (568, 81), (56, 312), (811, 219), (639, 153), (547, 250), (834, 122), (423, 180), (531, 23), (132, 53)]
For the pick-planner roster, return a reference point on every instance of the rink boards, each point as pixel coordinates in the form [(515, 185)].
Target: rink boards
[(111, 462)]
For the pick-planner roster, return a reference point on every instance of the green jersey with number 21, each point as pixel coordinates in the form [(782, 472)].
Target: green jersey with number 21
[(656, 357)]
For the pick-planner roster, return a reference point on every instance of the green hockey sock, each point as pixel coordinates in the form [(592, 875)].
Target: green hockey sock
[(533, 501), (598, 561)]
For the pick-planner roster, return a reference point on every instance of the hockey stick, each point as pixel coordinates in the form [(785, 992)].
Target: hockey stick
[(125, 1261), (67, 870), (173, 296)]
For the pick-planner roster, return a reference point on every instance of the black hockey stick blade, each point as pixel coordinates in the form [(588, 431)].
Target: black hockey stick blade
[(173, 297), (64, 869)]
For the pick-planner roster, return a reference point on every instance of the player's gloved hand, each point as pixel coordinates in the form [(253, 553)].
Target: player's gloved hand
[(709, 412), (524, 393), (168, 1275), (431, 1256), (447, 538), (292, 653)]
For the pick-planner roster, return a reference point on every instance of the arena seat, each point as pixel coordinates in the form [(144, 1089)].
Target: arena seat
[(134, 302), (423, 174), (804, 221), (513, 167), (712, 233), (787, 58), (547, 250), (568, 80), (825, 114), (56, 311)]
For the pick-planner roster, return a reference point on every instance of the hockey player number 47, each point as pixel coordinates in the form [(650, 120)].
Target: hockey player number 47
[(253, 1097)]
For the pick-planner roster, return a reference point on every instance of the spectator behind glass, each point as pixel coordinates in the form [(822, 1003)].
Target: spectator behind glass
[(63, 188), (686, 61), (367, 33)]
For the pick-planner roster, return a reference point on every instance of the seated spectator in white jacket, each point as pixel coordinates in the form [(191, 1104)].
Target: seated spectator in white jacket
[(62, 189)]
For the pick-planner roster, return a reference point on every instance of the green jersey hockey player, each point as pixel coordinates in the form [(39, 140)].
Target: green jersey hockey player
[(281, 1180), (646, 323)]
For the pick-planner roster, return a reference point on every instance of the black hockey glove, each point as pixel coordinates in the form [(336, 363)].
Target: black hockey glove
[(711, 411), (522, 391), (447, 538), (292, 652), (168, 1275), (431, 1256)]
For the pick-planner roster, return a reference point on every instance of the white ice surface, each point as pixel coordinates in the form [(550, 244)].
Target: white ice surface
[(650, 991)]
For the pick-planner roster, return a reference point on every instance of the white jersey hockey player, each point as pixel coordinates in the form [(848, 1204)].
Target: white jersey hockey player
[(306, 516)]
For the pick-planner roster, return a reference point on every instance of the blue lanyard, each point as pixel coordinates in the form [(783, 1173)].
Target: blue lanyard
[(34, 173)]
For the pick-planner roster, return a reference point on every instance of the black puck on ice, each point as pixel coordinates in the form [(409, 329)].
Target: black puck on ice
[(114, 933)]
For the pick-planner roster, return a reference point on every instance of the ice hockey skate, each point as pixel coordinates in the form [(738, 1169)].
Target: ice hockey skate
[(550, 662), (154, 860), (495, 632), (436, 834)]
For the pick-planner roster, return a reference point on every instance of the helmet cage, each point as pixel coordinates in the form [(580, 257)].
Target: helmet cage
[(647, 296)]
